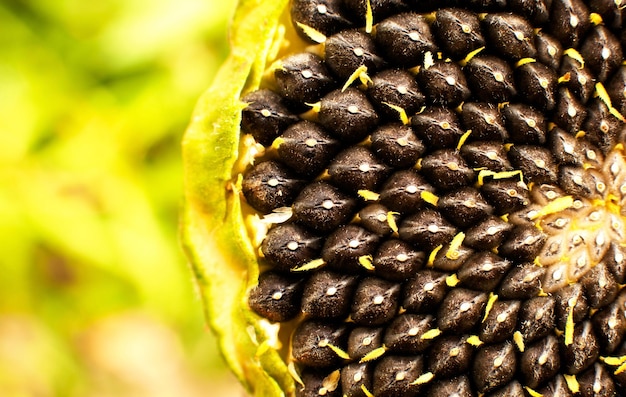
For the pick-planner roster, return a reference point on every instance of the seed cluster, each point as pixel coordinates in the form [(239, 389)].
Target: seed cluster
[(445, 188)]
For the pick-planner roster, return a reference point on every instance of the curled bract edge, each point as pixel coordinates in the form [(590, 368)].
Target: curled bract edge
[(212, 226)]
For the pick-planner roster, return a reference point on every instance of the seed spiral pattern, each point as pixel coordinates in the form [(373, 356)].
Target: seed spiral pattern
[(439, 188)]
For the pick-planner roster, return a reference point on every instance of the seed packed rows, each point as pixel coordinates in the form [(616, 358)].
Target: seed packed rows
[(445, 184)]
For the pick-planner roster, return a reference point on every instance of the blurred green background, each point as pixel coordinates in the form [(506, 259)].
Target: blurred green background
[(95, 295)]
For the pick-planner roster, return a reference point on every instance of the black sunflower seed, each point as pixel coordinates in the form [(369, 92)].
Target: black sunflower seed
[(363, 340), (578, 78), (570, 21), (447, 170), (402, 192), (270, 185), (485, 121), (570, 113), (480, 5), (557, 387), (513, 388), (426, 229), (549, 49), (395, 376), (375, 302), (322, 207), (306, 148), (540, 361), (458, 31), (489, 155), (276, 297), (537, 318), (611, 12), (316, 384), (404, 38), (602, 52), (610, 325), (522, 282), (487, 234), (265, 117), (397, 145), (288, 246), (464, 207), (444, 83), (491, 79), (523, 243), (615, 259), (535, 162), (357, 9), (301, 79), (536, 11), (600, 286), (593, 155), (543, 194), (344, 248), (450, 355), (398, 261), (577, 181), (597, 382), (398, 88), (494, 366), (461, 309), (526, 216), (450, 259), (438, 127), (602, 128), (483, 271), (616, 88), (500, 323), (570, 300), (354, 377), (459, 387), (312, 341), (328, 295), (324, 16), (347, 50), (510, 34), (537, 84), (425, 291), (347, 114), (525, 124), (565, 148), (375, 218), (405, 334), (583, 351), (356, 168), (506, 195)]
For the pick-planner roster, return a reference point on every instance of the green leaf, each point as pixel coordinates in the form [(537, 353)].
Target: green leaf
[(213, 231)]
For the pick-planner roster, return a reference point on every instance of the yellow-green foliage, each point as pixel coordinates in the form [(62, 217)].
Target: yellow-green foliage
[(94, 99)]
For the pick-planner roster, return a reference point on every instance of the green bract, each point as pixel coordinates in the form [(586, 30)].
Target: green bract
[(213, 230)]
